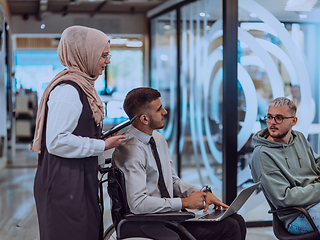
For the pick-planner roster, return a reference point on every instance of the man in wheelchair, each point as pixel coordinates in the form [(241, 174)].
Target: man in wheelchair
[(289, 170), (152, 185)]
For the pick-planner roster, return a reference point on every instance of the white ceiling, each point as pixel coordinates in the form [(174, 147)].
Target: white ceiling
[(91, 7), (276, 7), (38, 8)]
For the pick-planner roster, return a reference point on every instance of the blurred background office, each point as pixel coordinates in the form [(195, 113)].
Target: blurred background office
[(185, 49)]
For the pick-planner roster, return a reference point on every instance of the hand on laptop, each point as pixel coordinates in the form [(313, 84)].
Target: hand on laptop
[(194, 200), (212, 199)]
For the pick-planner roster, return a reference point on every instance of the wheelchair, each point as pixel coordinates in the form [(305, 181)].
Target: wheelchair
[(159, 226)]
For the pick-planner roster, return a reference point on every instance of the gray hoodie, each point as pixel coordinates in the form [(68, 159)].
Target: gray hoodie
[(289, 174)]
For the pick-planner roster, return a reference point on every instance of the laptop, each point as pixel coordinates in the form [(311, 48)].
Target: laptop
[(217, 215)]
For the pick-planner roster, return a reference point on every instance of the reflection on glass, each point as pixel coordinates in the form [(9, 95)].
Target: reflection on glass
[(164, 70), (272, 56), (200, 141), (271, 60)]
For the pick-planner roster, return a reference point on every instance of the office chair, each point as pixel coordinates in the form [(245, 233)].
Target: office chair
[(279, 228), (159, 226)]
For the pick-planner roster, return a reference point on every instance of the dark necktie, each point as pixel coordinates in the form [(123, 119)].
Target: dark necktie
[(161, 184)]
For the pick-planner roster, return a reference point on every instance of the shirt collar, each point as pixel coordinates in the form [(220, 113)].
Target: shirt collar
[(141, 136)]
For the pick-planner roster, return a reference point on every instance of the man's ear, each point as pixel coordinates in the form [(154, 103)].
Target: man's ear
[(294, 121), (144, 119)]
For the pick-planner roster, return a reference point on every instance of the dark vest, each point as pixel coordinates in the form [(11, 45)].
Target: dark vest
[(66, 189)]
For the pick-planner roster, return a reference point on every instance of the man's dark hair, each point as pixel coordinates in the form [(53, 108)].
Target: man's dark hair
[(138, 99)]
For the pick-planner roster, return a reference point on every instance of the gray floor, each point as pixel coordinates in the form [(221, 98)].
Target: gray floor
[(17, 209)]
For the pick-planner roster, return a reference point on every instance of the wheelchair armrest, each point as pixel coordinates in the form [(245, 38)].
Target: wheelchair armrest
[(302, 210), (167, 216), (107, 161), (104, 170)]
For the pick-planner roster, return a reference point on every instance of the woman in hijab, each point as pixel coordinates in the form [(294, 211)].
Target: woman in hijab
[(67, 139)]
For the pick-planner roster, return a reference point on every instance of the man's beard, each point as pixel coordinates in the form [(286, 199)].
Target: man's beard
[(155, 125), (281, 135)]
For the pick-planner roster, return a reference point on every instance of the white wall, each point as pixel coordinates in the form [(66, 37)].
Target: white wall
[(55, 23)]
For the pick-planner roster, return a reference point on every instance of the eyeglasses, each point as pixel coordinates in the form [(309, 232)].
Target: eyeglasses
[(108, 56), (278, 118)]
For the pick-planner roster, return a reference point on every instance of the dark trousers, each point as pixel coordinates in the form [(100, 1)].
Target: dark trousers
[(230, 228)]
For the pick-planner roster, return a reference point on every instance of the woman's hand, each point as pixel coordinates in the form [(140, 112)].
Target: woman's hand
[(113, 141)]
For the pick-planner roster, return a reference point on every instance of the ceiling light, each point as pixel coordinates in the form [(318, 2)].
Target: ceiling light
[(303, 16), (134, 43), (202, 14), (253, 15), (118, 41), (74, 2), (164, 57), (42, 26), (300, 5)]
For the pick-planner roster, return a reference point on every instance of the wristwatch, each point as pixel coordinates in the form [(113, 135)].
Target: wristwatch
[(206, 188)]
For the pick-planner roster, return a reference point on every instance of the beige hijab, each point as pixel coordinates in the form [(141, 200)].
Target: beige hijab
[(79, 50)]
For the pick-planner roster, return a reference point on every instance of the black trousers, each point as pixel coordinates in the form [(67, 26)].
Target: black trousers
[(230, 228)]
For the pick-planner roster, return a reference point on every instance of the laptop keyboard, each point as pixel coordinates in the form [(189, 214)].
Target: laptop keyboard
[(213, 215)]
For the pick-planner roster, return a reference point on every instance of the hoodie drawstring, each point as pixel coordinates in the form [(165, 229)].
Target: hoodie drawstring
[(285, 155), (284, 150), (298, 155)]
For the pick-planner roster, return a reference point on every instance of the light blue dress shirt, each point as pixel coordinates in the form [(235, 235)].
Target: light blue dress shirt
[(134, 157)]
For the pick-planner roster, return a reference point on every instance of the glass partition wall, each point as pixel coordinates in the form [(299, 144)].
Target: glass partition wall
[(192, 95), (198, 118), (274, 60), (164, 70), (277, 55)]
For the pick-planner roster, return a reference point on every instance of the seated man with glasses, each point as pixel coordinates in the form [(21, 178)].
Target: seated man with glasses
[(287, 167)]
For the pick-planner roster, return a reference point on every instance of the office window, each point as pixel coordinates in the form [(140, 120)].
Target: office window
[(35, 69)]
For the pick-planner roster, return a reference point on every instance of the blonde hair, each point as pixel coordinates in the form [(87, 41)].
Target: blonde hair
[(283, 101)]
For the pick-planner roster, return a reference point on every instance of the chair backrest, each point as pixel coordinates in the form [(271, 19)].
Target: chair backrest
[(150, 225), (281, 232), (117, 194), (278, 226)]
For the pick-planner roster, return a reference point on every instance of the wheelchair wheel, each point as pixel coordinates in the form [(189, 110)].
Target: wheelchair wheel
[(110, 233)]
